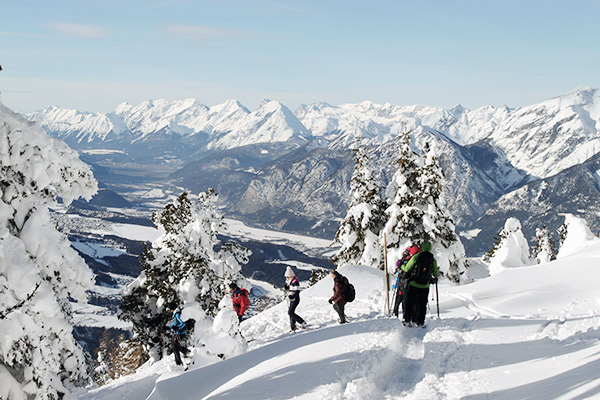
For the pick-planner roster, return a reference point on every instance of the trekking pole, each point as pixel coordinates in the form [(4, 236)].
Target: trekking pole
[(394, 297), (437, 298), (387, 280)]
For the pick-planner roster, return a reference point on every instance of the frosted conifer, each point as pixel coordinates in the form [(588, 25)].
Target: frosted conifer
[(186, 266), (545, 249), (562, 232), (359, 231), (512, 249), (39, 271), (404, 214), (438, 225)]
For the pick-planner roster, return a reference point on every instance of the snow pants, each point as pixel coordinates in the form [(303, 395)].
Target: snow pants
[(415, 304), (293, 316), (178, 348), (339, 308), (398, 299)]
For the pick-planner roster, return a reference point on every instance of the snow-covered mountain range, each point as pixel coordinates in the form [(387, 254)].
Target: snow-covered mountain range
[(289, 169)]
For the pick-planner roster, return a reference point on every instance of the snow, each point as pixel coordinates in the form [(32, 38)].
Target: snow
[(136, 232), (303, 243), (98, 317), (578, 236), (513, 250), (97, 250), (39, 271), (523, 333)]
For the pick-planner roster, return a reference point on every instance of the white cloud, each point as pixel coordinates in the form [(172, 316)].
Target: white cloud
[(195, 32), (79, 30)]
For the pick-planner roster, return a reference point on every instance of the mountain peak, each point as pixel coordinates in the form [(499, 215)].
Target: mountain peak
[(228, 107)]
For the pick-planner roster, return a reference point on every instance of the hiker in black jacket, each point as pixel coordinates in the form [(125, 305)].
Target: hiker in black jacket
[(292, 287)]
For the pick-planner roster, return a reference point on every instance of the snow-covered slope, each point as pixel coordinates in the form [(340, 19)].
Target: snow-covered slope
[(523, 333)]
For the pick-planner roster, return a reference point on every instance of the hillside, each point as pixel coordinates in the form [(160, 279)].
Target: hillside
[(523, 333)]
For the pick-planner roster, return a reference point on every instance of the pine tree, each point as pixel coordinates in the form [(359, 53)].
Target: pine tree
[(438, 225), (545, 249), (488, 255), (359, 231), (562, 233), (510, 250), (316, 275), (404, 214), (574, 234), (39, 271), (186, 265)]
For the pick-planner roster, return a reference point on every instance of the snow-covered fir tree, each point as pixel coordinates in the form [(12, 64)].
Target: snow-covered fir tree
[(512, 250), (562, 233), (359, 230), (575, 234), (498, 240), (186, 267), (545, 248), (39, 271), (438, 225), (403, 214), (316, 274)]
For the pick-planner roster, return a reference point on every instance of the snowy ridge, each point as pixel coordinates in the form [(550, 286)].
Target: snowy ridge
[(549, 137), (542, 139), (228, 125)]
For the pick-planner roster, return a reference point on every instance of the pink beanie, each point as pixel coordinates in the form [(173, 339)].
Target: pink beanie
[(289, 273)]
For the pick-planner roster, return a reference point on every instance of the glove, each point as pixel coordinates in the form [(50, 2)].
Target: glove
[(434, 280), (330, 301)]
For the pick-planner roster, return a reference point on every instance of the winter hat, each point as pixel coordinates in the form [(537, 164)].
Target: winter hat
[(289, 273), (233, 285)]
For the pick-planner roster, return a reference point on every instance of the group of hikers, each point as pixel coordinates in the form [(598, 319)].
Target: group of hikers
[(415, 271)]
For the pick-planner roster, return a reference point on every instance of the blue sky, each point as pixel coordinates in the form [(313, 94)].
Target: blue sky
[(93, 55)]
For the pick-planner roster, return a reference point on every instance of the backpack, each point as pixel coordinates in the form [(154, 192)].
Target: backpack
[(423, 269), (349, 293)]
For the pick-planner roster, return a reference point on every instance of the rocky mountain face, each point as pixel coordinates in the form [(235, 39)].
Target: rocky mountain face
[(290, 171)]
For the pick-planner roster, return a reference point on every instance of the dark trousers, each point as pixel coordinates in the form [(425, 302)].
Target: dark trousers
[(292, 313), (178, 348), (415, 304), (339, 308), (400, 290), (397, 302)]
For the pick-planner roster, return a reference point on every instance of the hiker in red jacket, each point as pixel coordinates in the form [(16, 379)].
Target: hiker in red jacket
[(239, 297), (338, 299)]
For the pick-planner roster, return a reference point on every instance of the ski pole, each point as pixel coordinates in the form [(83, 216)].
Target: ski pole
[(437, 299)]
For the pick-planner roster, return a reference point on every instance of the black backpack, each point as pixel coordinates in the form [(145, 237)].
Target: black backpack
[(423, 269), (349, 293)]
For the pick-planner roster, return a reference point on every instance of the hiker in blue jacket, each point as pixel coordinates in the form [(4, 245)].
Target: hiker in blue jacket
[(179, 329)]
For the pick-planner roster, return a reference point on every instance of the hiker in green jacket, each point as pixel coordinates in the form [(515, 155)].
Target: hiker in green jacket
[(421, 270)]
